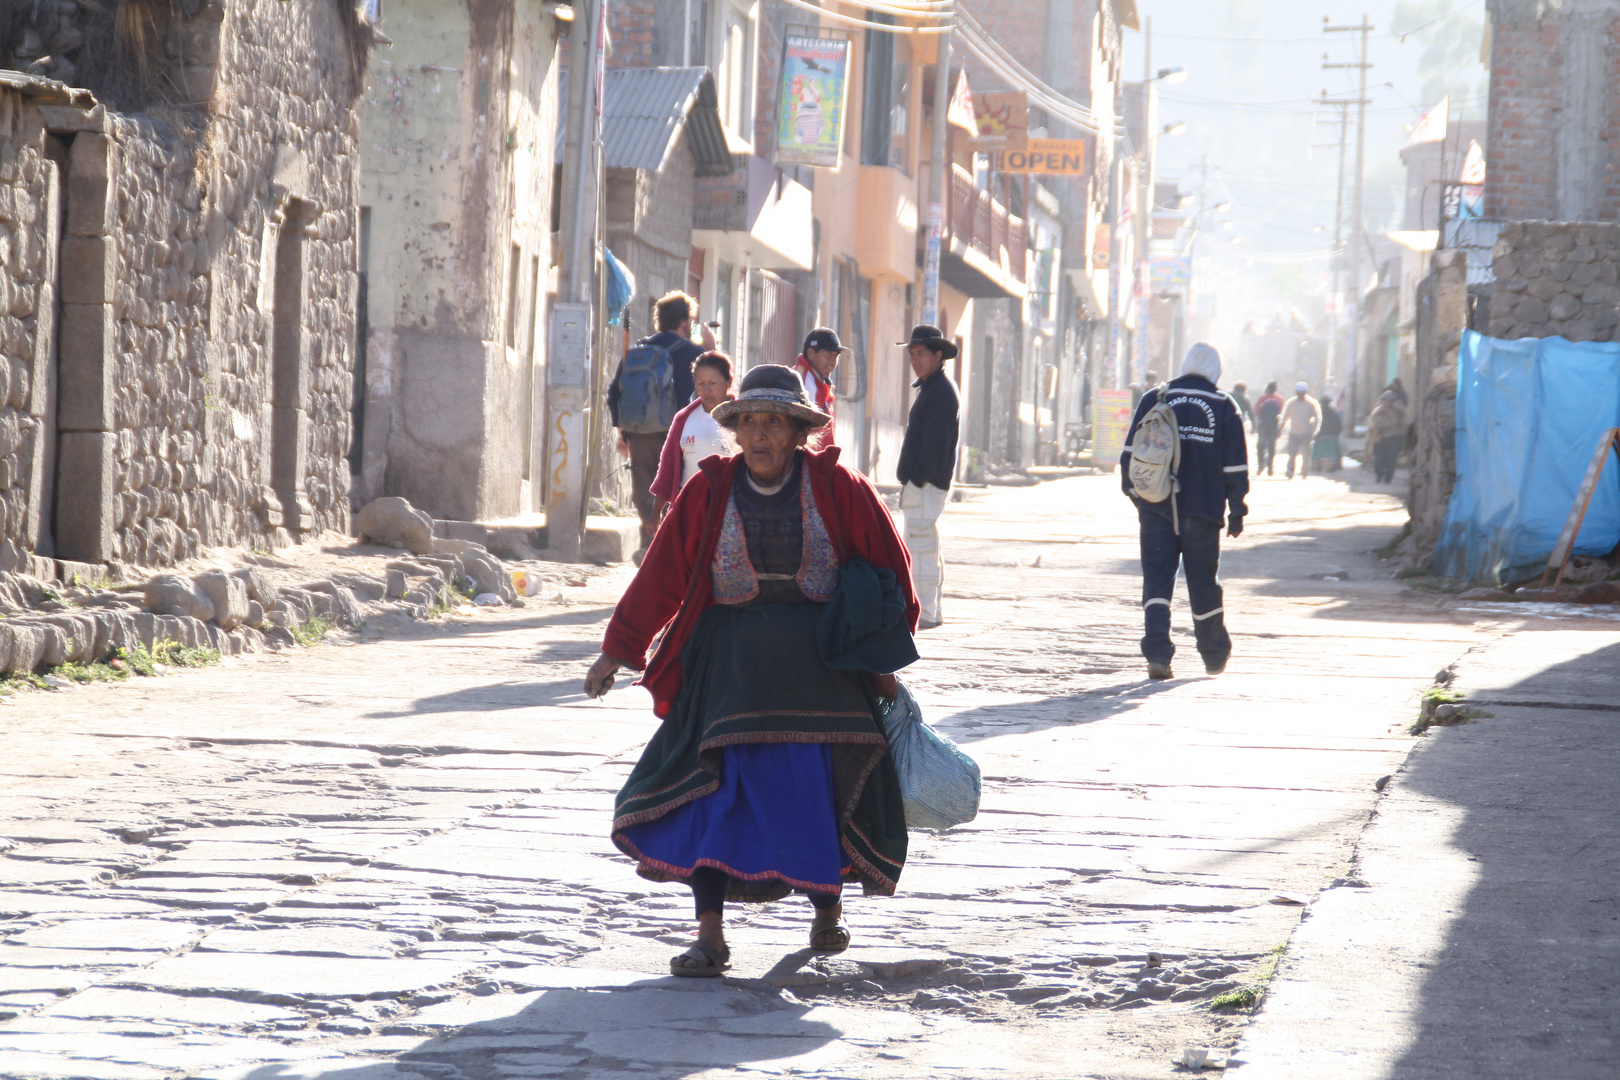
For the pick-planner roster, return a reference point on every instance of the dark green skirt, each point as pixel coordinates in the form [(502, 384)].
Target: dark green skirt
[(753, 674)]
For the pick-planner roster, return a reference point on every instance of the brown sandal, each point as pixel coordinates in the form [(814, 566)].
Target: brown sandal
[(711, 962), (832, 938)]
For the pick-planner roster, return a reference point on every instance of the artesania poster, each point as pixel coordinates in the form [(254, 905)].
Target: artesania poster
[(810, 113)]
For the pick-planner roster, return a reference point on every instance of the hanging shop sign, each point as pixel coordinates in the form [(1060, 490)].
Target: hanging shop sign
[(1049, 157), (960, 112), (1102, 240), (810, 112), (1111, 422), (1003, 120), (1170, 273)]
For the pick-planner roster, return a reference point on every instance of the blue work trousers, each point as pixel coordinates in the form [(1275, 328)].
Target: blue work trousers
[(1198, 550)]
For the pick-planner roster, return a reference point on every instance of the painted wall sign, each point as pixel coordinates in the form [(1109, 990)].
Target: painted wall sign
[(1051, 157), (1003, 120), (810, 110)]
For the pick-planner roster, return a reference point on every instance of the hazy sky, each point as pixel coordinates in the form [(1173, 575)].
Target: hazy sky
[(1255, 66)]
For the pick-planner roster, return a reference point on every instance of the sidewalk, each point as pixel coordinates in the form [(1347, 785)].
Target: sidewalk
[(1480, 934)]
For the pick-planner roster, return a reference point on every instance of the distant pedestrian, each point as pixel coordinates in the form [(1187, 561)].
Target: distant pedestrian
[(694, 434), (653, 382), (928, 464), (1301, 416), (1267, 421), (815, 366), (1326, 454), (1184, 530), (1386, 434), (1150, 379), (1240, 398)]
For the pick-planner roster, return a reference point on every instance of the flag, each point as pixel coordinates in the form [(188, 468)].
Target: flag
[(960, 112), (1473, 170), (1432, 128)]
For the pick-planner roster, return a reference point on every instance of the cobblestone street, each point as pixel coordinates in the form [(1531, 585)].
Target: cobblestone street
[(386, 858)]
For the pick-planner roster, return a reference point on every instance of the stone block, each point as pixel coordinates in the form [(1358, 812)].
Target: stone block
[(462, 530), (397, 584), (86, 506), (394, 522), (171, 595), (78, 638), (25, 646), (86, 388), (1531, 310), (90, 168), (88, 269), (228, 595), (1564, 306), (1542, 288), (259, 584), (611, 540), (487, 574), (364, 586)]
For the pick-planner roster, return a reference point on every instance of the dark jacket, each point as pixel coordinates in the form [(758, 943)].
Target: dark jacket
[(928, 454), (681, 350), (1241, 400), (1214, 472)]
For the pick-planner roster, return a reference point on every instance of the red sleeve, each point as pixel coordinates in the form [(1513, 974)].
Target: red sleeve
[(655, 594), (670, 466)]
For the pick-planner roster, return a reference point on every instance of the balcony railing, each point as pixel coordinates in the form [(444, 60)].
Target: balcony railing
[(984, 225)]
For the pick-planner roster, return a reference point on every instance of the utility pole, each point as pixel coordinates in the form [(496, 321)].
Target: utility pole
[(573, 345), (1357, 231), (938, 169), (1336, 352), (1144, 206)]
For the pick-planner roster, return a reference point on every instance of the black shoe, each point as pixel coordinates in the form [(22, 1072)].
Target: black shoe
[(1157, 670), (1215, 667)]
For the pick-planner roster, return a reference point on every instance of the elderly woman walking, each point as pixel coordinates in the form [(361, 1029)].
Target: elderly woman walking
[(770, 772)]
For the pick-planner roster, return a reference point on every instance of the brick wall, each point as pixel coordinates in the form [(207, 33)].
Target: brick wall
[(631, 24), (1544, 127)]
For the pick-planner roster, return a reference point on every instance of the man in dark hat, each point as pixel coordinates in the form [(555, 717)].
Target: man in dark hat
[(928, 463), (815, 366)]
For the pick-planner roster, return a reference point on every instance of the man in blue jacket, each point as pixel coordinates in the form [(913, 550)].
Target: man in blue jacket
[(1212, 479)]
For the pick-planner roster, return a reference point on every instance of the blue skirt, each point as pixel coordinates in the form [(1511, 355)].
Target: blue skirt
[(773, 818)]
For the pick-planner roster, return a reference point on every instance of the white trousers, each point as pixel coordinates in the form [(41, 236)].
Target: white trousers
[(922, 507)]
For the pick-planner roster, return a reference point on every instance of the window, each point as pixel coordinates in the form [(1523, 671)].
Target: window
[(697, 32), (735, 79), (888, 97)]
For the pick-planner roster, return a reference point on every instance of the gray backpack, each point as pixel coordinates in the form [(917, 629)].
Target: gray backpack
[(1156, 454)]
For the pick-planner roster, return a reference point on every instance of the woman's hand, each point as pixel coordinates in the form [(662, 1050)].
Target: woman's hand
[(599, 680), (885, 686)]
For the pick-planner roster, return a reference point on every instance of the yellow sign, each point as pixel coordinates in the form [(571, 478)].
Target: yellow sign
[(1052, 157)]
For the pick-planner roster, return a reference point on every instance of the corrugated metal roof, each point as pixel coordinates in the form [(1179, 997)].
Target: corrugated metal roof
[(644, 110)]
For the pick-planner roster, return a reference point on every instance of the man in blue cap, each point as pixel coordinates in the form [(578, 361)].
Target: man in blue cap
[(1183, 530)]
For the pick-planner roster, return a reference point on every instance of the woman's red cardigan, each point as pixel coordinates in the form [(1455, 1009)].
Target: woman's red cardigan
[(675, 583)]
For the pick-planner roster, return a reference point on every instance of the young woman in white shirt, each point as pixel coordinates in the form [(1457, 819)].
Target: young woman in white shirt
[(693, 434)]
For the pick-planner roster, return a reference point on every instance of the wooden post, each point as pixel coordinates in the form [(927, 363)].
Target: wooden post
[(1565, 547)]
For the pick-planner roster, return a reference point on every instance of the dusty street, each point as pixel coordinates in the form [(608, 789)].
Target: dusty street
[(388, 858)]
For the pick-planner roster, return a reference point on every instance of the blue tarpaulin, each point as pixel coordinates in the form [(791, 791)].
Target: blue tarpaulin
[(1530, 414), (621, 287)]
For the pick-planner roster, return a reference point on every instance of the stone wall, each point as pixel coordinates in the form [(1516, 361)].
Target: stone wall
[(192, 386), (28, 211), (1442, 315), (1556, 279)]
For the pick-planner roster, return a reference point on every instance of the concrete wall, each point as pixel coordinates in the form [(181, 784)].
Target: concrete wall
[(459, 128), (1554, 146), (193, 385), (1556, 279)]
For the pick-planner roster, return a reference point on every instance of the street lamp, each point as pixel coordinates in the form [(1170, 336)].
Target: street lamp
[(1175, 127), (1171, 76)]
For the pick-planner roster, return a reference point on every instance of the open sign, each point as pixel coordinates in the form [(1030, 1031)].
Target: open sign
[(1052, 157)]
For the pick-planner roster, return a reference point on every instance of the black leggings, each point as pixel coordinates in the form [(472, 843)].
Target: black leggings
[(709, 892)]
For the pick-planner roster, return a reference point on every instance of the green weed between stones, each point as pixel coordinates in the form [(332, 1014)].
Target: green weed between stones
[(137, 661), (1249, 997), (312, 632), (1440, 707)]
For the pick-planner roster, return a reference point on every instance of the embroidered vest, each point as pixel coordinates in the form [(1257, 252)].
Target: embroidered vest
[(735, 579)]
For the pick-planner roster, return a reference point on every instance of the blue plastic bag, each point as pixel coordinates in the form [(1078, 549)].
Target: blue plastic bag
[(939, 784)]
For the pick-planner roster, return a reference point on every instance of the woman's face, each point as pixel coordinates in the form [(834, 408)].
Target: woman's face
[(711, 386), (768, 440)]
